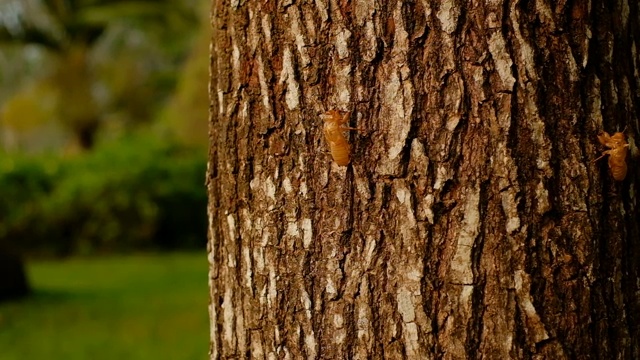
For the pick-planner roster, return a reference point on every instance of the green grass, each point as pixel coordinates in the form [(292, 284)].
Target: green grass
[(125, 307)]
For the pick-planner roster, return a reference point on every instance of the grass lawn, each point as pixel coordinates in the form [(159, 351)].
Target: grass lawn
[(120, 307)]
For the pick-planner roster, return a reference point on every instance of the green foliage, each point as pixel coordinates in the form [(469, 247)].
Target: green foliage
[(142, 42), (124, 307), (186, 113), (134, 193)]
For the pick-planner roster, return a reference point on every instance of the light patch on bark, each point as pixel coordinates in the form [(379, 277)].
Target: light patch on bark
[(363, 326), (363, 316), (443, 173), (371, 39), (526, 52), (266, 236), (228, 309), (220, 102), (502, 60), (453, 98), (286, 185), (287, 353), (266, 30), (307, 232), (235, 58), (448, 14), (292, 229), (572, 68), (311, 28), (419, 155), (231, 223), (370, 248), (545, 14), (409, 327), (534, 324), (264, 87), (213, 317), (340, 173), (542, 198), (306, 303), (270, 188), (400, 40), (362, 184), (309, 338), (363, 11), (492, 21), (257, 350), (394, 111), (624, 13), (339, 333), (397, 101), (296, 32), (273, 290), (426, 206), (302, 165), (330, 288), (254, 36), (461, 272), (248, 275), (364, 17), (342, 43), (258, 258), (343, 86), (292, 97), (405, 305), (276, 334), (538, 136), (455, 343), (409, 221), (322, 9), (241, 334), (510, 208), (311, 344), (586, 46), (231, 261)]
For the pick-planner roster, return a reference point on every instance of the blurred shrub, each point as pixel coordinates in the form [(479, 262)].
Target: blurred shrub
[(131, 194)]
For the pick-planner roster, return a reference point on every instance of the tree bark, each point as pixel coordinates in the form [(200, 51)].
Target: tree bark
[(472, 221)]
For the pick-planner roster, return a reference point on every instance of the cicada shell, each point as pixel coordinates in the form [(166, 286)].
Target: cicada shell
[(618, 149), (334, 127)]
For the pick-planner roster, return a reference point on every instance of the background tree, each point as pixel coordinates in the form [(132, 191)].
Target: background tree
[(106, 59), (471, 223)]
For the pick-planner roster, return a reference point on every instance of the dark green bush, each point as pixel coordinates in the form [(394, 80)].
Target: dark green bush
[(135, 193)]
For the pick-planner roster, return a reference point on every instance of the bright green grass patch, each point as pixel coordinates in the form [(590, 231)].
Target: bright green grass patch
[(127, 307)]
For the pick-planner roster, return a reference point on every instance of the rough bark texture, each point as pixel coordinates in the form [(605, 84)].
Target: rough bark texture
[(471, 222)]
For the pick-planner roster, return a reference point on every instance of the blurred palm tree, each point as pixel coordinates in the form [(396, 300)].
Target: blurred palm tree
[(103, 60)]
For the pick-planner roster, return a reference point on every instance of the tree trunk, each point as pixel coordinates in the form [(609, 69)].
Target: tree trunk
[(13, 275), (472, 221)]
